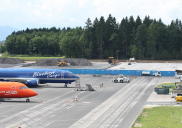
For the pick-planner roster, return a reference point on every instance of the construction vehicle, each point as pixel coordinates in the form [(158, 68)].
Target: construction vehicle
[(111, 60), (62, 63), (121, 79), (178, 98)]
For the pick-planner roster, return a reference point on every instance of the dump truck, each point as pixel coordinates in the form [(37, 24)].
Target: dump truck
[(62, 63), (121, 79)]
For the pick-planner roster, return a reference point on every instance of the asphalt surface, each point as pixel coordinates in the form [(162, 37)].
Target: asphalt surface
[(113, 105)]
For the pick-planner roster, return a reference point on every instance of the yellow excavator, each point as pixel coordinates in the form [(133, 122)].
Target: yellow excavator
[(62, 63), (111, 60)]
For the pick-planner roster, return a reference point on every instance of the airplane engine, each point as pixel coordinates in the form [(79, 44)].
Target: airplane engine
[(33, 82)]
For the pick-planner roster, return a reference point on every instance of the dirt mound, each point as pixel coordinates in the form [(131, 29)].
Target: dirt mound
[(72, 61), (10, 61)]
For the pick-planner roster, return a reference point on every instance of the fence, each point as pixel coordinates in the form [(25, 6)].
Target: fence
[(116, 72)]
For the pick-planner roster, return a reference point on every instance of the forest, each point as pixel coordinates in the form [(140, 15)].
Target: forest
[(147, 39)]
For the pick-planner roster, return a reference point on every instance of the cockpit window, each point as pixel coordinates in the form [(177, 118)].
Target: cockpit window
[(70, 74), (23, 87)]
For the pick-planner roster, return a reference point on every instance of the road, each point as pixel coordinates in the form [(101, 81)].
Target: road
[(113, 105)]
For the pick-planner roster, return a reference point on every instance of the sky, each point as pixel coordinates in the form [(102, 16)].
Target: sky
[(21, 14)]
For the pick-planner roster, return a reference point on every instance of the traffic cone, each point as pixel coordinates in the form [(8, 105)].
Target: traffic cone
[(41, 100), (76, 98)]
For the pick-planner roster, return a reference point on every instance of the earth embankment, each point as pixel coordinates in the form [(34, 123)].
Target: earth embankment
[(10, 61), (71, 61)]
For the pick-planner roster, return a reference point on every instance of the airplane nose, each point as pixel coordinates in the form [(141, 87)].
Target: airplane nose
[(34, 93), (77, 77), (30, 93)]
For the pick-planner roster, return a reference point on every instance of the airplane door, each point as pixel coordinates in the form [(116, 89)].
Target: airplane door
[(62, 74)]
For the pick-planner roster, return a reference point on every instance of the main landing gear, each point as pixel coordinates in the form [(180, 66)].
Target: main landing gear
[(27, 100), (65, 85)]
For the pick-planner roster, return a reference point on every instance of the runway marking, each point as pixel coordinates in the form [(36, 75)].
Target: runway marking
[(70, 106), (7, 105), (114, 109), (45, 109), (86, 102), (109, 87), (30, 117), (100, 90)]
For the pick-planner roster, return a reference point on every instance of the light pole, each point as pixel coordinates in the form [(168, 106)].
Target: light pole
[(117, 54)]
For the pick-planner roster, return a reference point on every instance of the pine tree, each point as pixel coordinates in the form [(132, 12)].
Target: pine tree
[(151, 40)]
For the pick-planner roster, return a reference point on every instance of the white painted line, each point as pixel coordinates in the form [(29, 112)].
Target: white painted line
[(70, 107)]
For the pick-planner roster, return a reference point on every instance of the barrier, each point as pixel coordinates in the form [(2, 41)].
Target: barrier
[(116, 72), (138, 73), (108, 72), (167, 73)]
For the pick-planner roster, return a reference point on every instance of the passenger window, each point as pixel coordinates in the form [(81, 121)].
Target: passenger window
[(20, 87)]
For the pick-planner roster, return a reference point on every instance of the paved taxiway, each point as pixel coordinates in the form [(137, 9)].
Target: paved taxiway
[(114, 105)]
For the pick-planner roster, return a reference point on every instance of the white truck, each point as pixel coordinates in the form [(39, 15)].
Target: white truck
[(121, 79), (177, 76), (146, 73), (157, 73), (132, 59)]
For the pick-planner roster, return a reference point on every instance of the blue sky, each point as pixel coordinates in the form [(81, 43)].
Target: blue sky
[(21, 14)]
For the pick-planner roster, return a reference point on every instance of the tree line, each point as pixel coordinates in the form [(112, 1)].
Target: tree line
[(100, 39)]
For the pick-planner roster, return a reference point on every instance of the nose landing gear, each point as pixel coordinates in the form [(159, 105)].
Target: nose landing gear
[(27, 100), (65, 85)]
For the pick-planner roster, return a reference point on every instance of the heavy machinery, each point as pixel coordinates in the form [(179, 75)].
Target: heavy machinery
[(112, 61), (62, 63), (178, 98)]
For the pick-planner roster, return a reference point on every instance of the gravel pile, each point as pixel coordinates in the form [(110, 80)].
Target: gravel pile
[(72, 61), (10, 61)]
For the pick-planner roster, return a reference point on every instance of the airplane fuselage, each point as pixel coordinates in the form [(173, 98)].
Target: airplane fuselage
[(15, 90), (37, 75)]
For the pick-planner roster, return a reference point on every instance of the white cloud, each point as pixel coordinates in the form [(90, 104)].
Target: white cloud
[(61, 12), (37, 12), (36, 5), (96, 2), (72, 19), (29, 3), (82, 2)]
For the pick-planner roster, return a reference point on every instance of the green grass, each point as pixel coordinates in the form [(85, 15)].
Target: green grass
[(172, 87), (160, 117), (33, 58)]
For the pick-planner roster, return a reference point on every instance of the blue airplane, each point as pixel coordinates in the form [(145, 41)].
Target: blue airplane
[(34, 77)]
